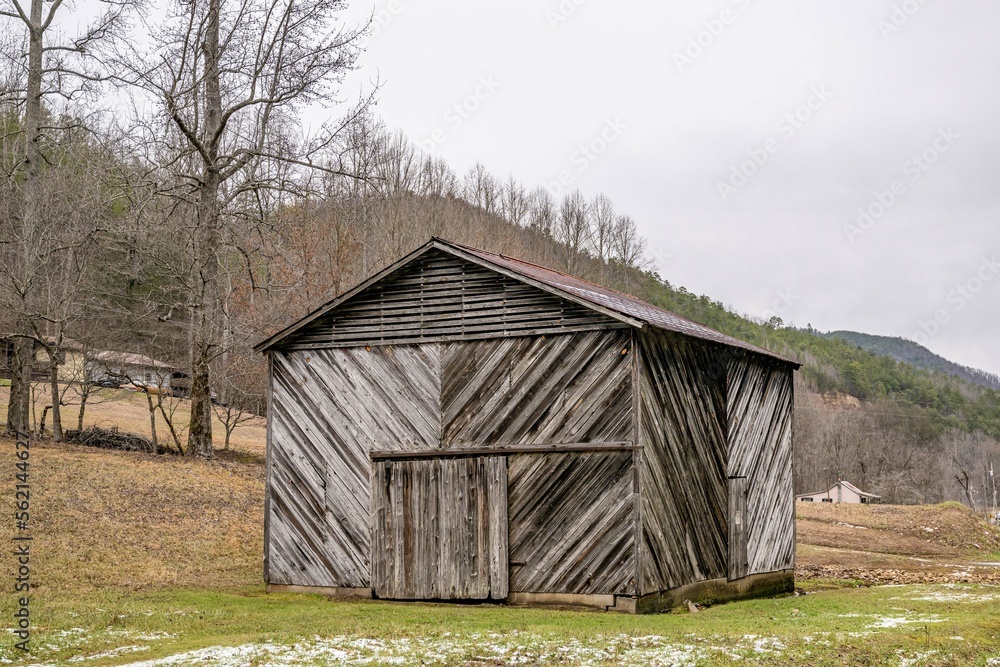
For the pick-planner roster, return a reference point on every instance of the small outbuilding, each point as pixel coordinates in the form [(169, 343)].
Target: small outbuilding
[(468, 426), (841, 492)]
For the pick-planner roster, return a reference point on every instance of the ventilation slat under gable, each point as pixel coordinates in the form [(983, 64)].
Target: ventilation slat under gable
[(439, 296)]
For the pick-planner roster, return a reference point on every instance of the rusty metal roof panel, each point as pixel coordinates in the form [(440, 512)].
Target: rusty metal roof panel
[(606, 297)]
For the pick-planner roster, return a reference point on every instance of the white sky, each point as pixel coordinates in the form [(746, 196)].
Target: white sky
[(883, 88)]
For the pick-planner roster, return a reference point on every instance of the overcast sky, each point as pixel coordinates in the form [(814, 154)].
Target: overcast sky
[(881, 105)]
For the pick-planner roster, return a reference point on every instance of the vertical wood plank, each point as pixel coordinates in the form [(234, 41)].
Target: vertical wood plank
[(738, 563), (440, 529), (498, 527)]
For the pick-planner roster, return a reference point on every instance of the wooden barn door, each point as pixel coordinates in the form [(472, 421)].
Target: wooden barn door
[(439, 529), (739, 565)]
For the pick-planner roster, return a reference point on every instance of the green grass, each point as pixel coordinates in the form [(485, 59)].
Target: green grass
[(951, 625)]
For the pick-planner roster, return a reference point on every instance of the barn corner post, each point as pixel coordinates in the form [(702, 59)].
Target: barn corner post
[(637, 453), (791, 458), (268, 446)]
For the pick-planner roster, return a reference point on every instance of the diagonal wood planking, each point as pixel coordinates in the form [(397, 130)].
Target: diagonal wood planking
[(682, 476), (547, 389), (330, 408), (571, 528), (760, 449)]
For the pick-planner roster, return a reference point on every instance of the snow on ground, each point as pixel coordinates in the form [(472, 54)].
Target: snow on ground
[(508, 649)]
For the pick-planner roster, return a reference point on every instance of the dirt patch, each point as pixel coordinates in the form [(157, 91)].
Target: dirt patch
[(895, 544), (949, 528), (955, 574)]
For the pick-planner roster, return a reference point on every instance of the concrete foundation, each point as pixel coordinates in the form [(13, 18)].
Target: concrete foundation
[(712, 591)]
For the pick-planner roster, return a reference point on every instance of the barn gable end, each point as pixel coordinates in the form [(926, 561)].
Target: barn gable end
[(439, 296)]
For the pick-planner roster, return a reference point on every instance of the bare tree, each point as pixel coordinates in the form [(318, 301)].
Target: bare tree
[(573, 228), (603, 224), (231, 78), (62, 68), (627, 245), (514, 202), (542, 214)]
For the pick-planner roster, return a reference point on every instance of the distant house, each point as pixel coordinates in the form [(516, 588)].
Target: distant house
[(841, 492), (129, 368), (40, 363)]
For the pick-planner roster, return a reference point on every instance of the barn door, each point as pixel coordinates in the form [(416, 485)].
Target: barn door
[(738, 561), (439, 529)]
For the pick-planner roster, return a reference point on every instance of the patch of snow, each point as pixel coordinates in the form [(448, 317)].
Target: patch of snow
[(940, 596), (113, 653), (917, 657), (897, 621), (508, 649)]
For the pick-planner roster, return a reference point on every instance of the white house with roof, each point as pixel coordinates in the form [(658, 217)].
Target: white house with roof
[(841, 492), (130, 368)]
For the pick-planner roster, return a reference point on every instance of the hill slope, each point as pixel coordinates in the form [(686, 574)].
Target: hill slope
[(916, 355)]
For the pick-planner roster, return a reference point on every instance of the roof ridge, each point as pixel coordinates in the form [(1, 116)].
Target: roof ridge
[(556, 271)]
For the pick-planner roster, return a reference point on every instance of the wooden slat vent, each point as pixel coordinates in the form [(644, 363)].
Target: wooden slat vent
[(441, 297)]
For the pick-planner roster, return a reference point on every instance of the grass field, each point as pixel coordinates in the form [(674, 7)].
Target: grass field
[(907, 625), (139, 559)]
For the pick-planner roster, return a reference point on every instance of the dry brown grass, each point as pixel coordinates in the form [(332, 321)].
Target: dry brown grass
[(916, 530), (881, 544), (128, 411), (105, 519)]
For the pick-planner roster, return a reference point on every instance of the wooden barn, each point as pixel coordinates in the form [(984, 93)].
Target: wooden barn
[(468, 426)]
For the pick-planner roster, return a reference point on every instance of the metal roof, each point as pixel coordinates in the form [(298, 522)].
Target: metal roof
[(840, 483), (620, 302), (129, 359), (623, 306)]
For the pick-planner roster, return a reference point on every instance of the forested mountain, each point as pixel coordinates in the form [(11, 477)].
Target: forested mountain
[(917, 355)]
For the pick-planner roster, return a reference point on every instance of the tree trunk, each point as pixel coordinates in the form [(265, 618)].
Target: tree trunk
[(84, 394), (54, 384), (18, 407), (41, 425), (152, 421), (19, 404), (206, 248), (200, 433)]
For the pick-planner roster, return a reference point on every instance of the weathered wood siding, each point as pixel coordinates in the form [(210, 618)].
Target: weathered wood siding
[(541, 390), (739, 562), (571, 523), (760, 449), (330, 408), (683, 474), (441, 297), (439, 529)]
